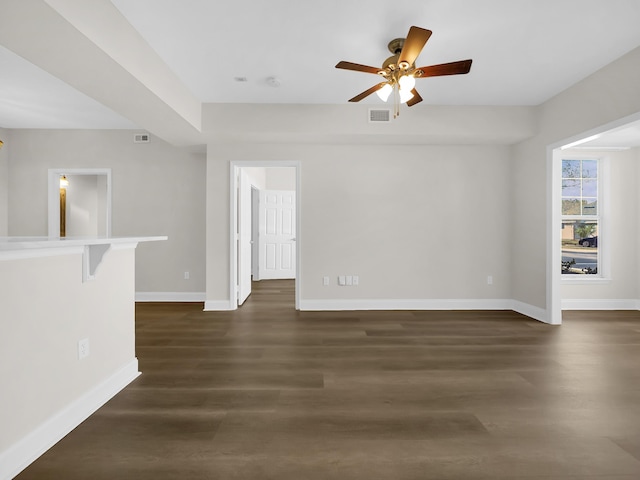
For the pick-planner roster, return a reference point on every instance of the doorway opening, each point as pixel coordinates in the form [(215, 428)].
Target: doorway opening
[(618, 135), (264, 226), (79, 202)]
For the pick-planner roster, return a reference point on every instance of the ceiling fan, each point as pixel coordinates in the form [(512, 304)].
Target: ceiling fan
[(399, 70)]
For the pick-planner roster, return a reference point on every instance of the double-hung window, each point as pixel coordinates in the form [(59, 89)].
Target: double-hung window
[(581, 221)]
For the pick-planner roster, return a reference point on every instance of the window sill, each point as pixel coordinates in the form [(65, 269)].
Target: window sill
[(585, 281)]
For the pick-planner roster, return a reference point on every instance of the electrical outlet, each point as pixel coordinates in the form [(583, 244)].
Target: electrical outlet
[(186, 275), (356, 280), (325, 281), (349, 280), (83, 348), (489, 280)]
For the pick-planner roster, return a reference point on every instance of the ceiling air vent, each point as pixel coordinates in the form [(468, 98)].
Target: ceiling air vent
[(378, 116), (141, 138)]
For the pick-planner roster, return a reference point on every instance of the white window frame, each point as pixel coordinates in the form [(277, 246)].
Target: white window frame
[(604, 264)]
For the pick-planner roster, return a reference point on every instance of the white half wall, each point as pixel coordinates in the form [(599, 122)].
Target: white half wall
[(46, 310)]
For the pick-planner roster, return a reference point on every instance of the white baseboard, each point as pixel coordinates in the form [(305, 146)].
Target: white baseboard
[(531, 311), (219, 305), (20, 455), (534, 312), (405, 304), (600, 304), (170, 296)]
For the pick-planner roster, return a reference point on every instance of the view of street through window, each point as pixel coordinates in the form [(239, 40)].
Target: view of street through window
[(580, 217)]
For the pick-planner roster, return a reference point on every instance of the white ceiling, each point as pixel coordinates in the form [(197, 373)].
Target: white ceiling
[(524, 52)]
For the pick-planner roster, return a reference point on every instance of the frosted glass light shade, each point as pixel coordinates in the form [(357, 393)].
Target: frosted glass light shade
[(384, 92), (407, 82)]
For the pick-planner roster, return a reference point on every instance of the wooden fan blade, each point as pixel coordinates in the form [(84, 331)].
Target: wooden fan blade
[(453, 68), (357, 67), (368, 92), (415, 41), (415, 99)]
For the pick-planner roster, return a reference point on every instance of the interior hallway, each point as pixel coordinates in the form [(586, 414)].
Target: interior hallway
[(266, 392)]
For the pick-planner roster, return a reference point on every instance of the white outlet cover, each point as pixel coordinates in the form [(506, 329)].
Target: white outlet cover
[(83, 348)]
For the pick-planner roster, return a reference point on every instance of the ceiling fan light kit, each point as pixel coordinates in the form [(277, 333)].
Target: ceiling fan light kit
[(399, 70)]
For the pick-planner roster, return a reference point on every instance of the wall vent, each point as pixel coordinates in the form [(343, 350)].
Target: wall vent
[(377, 116), (141, 138)]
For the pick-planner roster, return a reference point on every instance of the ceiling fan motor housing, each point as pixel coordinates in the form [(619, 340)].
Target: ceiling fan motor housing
[(395, 45), (392, 64)]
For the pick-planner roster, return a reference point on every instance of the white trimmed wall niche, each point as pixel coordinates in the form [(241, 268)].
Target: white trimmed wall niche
[(88, 202)]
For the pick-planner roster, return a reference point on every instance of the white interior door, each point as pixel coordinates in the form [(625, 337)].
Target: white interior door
[(276, 240), (244, 237)]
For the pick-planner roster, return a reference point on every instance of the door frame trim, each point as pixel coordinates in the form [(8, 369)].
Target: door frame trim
[(235, 166), (255, 271)]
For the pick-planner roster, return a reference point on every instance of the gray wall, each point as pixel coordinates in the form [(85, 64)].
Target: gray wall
[(283, 178), (272, 178), (414, 222), (157, 190), (396, 204)]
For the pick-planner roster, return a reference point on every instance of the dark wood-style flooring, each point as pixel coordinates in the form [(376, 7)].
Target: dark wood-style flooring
[(266, 392)]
